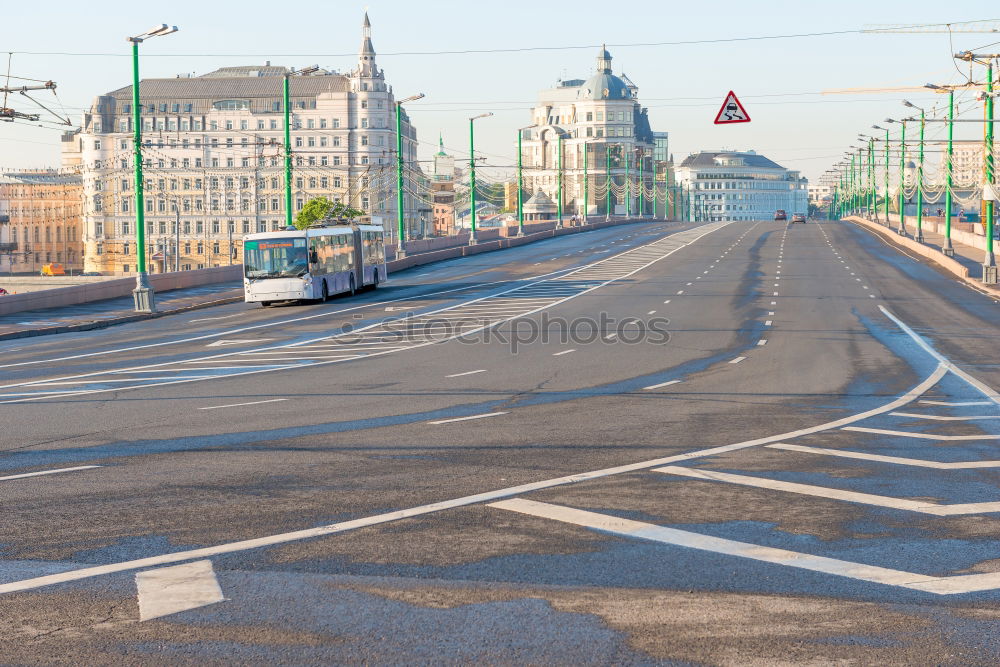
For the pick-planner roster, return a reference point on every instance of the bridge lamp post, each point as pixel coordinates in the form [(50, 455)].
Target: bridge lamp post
[(472, 174), (919, 237), (143, 297), (400, 212)]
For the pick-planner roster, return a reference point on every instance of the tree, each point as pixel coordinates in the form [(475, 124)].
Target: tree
[(318, 208)]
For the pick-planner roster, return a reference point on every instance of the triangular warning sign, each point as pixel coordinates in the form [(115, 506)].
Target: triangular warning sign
[(732, 111)]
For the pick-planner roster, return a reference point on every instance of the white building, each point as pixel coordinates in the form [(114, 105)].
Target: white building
[(739, 185), (601, 129), (214, 158)]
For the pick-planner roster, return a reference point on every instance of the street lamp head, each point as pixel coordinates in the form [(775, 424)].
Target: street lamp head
[(305, 71), (163, 30), (877, 127), (419, 96), (482, 115), (907, 103), (932, 86), (890, 120)]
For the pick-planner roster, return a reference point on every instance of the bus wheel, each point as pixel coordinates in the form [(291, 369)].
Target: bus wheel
[(265, 304), (375, 283), (326, 293)]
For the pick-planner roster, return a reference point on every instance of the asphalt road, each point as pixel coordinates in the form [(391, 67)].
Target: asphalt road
[(730, 443)]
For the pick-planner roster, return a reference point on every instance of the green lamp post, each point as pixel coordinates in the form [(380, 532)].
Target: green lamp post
[(143, 297), (472, 175), (400, 209)]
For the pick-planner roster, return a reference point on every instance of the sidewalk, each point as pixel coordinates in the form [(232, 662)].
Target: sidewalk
[(100, 314), (967, 256)]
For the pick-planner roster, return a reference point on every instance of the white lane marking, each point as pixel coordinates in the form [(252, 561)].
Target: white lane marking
[(236, 341), (39, 473), (689, 284), (611, 336), (236, 405), (775, 294), (652, 312), (458, 375), (768, 322), (922, 506), (770, 312), (169, 590), (559, 354), (956, 403), (881, 458), (667, 301), (290, 320), (871, 296), (546, 278), (662, 384), (774, 303), (330, 529), (762, 341), (465, 419), (736, 360), (681, 292), (920, 436), (942, 419), (963, 583), (224, 317)]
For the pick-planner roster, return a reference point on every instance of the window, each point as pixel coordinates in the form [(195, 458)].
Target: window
[(364, 122), (311, 124), (336, 123), (322, 123), (231, 105), (274, 125), (312, 182), (312, 142), (215, 227), (336, 141), (298, 142), (125, 249), (97, 144)]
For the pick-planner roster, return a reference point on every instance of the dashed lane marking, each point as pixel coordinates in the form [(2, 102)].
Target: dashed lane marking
[(236, 405), (39, 473), (662, 384), (458, 375), (469, 418)]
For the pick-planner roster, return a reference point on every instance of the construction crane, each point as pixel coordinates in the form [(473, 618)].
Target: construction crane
[(991, 25)]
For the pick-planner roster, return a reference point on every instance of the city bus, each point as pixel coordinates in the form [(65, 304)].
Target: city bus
[(313, 263)]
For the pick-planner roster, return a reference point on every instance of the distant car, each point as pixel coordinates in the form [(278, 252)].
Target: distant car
[(798, 217), (91, 273), (780, 215), (3, 291)]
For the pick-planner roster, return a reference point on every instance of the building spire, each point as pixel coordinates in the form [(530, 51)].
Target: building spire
[(366, 55), (440, 143)]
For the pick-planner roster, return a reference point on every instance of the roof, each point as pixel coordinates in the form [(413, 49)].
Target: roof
[(539, 203), (707, 159), (40, 178), (604, 86), (222, 85)]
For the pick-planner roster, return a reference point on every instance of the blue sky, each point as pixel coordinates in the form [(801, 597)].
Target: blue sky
[(779, 80)]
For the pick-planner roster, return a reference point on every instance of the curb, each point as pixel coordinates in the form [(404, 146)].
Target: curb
[(410, 261), (937, 257), (104, 324)]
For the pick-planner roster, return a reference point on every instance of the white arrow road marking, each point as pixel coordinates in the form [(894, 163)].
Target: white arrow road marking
[(966, 583), (236, 341), (922, 506), (169, 590)]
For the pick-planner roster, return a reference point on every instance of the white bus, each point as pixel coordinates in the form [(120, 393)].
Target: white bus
[(313, 263)]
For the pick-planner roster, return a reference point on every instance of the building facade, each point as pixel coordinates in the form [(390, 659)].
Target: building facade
[(739, 185), (40, 221), (593, 138), (443, 192), (213, 159)]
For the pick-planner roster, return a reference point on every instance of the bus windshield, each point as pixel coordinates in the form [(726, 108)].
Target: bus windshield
[(275, 258)]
